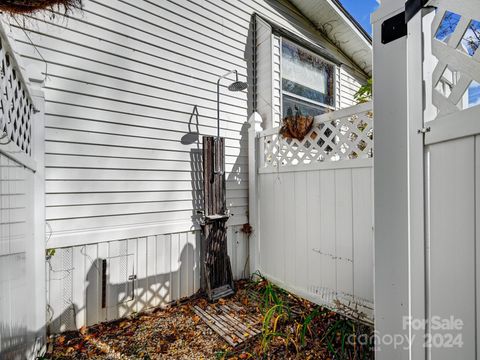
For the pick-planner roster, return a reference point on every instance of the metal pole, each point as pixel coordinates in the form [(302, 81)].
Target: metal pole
[(215, 160), (218, 97), (218, 107)]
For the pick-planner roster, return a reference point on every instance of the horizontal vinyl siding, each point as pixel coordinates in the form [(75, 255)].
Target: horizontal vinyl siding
[(349, 86), (125, 82)]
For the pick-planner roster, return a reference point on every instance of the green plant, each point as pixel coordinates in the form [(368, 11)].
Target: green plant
[(341, 339), (300, 325), (306, 323), (270, 325), (270, 294), (223, 354), (276, 310), (364, 94), (50, 252)]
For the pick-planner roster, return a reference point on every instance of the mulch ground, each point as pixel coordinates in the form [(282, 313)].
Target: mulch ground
[(292, 329)]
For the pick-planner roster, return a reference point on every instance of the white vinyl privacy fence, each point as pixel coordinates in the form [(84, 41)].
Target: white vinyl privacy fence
[(21, 266), (427, 181), (312, 209)]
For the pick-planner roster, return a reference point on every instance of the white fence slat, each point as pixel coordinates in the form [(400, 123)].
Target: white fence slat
[(344, 230), (289, 222), (452, 240), (132, 261), (265, 193), (67, 315), (198, 268), (327, 229), (56, 289), (301, 211), (231, 247), (362, 233), (315, 261), (186, 265), (152, 280), (174, 240), (79, 296), (164, 267), (278, 249), (191, 244), (114, 279), (92, 267), (141, 273)]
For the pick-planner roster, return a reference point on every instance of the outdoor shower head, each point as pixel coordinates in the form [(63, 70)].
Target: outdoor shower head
[(237, 86)]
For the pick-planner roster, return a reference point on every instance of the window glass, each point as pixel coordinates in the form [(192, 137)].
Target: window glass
[(294, 106), (307, 75)]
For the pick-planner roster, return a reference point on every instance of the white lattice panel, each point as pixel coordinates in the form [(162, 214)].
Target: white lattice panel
[(455, 41), (16, 106), (332, 138)]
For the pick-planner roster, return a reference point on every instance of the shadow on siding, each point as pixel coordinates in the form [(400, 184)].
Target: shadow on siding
[(196, 160), (105, 300)]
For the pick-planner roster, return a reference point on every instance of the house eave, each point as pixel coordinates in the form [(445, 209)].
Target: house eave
[(334, 21)]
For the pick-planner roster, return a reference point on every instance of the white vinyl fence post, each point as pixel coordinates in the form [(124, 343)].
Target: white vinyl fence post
[(38, 250), (391, 186), (255, 122), (419, 29)]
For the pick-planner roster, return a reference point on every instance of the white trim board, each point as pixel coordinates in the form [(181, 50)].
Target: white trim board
[(343, 164)]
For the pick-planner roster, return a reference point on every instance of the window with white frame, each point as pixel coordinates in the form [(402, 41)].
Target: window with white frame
[(308, 81)]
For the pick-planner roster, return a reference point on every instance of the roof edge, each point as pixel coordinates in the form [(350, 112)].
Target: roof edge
[(355, 23)]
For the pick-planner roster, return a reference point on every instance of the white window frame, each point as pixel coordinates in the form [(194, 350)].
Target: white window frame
[(301, 98)]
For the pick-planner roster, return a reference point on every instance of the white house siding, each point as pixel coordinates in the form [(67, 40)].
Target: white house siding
[(126, 81), (348, 85)]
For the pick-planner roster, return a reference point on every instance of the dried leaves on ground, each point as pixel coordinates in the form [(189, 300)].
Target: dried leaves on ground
[(292, 328)]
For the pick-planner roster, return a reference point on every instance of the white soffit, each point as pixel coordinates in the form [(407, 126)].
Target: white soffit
[(333, 20)]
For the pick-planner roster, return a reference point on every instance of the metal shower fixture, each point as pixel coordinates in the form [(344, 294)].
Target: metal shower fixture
[(234, 87), (237, 86)]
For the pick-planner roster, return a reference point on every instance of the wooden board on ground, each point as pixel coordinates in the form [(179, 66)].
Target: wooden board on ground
[(230, 322)]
